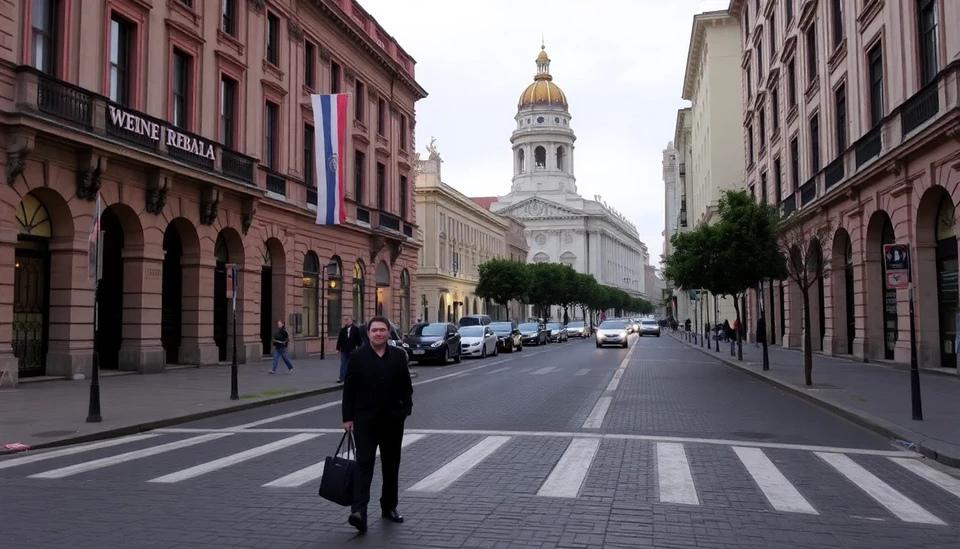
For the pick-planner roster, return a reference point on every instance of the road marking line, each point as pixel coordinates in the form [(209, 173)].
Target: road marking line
[(498, 370), (615, 382), (595, 419), (583, 372), (544, 370), (673, 474), (128, 456), (781, 494), (613, 436), (317, 408), (460, 465), (947, 482), (567, 477), (239, 457), (897, 503), (315, 471), (39, 455)]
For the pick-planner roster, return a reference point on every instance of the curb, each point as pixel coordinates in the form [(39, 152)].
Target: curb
[(168, 422), (873, 423)]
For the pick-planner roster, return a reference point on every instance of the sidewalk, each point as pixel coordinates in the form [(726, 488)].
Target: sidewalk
[(54, 413), (876, 396)]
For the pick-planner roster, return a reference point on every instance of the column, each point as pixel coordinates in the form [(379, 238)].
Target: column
[(8, 242), (141, 349), (197, 346), (70, 336)]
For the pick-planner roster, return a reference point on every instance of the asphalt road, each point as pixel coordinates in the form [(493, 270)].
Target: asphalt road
[(560, 446)]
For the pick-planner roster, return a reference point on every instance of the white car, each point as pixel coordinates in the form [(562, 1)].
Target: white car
[(649, 326), (612, 332), (478, 341)]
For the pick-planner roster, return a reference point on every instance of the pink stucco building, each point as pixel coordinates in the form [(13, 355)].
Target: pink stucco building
[(193, 121), (851, 114)]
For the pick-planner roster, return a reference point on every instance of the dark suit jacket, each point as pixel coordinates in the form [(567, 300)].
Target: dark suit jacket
[(376, 385), (348, 344)]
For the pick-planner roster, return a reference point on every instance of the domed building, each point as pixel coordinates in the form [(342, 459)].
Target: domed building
[(561, 225)]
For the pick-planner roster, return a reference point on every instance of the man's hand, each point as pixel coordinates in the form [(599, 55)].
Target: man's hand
[(348, 426)]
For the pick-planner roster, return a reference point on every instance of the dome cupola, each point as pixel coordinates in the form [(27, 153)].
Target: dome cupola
[(543, 92)]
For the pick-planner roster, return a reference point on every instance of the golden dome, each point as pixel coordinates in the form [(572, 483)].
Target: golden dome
[(543, 91)]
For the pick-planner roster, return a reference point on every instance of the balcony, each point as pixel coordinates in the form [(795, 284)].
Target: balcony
[(388, 222), (923, 106), (788, 205), (312, 195), (683, 169), (808, 191), (833, 174), (276, 184), (41, 96)]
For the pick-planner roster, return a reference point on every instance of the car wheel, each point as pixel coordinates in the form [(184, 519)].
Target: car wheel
[(496, 350), (483, 351), (519, 347), (624, 345), (598, 345), (446, 356), (459, 356)]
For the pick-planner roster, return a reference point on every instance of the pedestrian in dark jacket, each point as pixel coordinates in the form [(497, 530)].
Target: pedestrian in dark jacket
[(348, 341), (280, 341)]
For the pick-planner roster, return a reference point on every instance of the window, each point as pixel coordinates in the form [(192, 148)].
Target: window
[(309, 138), (746, 22), (840, 106), (359, 170), (875, 71), (812, 52), (311, 294), (403, 132), (777, 180), (753, 193), (188, 3), (229, 17), (309, 65), (181, 89), (815, 144), (760, 64), (381, 117), (44, 34), (775, 108), (772, 24), (792, 83), (763, 129), (750, 145), (121, 35), (228, 110), (403, 196), (788, 9), (358, 101), (381, 186), (334, 77), (273, 38), (271, 132), (927, 34), (837, 10), (749, 83), (795, 163), (763, 188)]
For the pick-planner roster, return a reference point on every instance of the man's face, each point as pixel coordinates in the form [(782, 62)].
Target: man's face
[(347, 321), (378, 333), (279, 324)]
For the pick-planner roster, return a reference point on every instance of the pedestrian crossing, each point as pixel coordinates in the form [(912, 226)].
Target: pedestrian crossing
[(889, 485)]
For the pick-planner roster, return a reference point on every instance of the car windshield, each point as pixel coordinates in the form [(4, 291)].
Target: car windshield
[(528, 327), (649, 322), (471, 331), (575, 324), (612, 325), (553, 326), (428, 330), (501, 326)]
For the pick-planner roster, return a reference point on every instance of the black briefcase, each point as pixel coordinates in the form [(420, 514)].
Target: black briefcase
[(336, 484)]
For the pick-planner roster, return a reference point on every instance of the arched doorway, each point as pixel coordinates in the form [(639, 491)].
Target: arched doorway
[(358, 294), (841, 276), (848, 282), (947, 289), (383, 288), (110, 291), (817, 302), (266, 299), (172, 296), (31, 287), (404, 301), (221, 305)]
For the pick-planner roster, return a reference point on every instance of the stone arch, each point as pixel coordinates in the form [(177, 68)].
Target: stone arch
[(568, 258), (310, 296), (119, 337), (561, 156), (384, 290), (334, 290), (793, 319), (184, 337), (359, 292), (843, 293), (273, 292), (540, 157), (882, 307), (227, 249), (815, 265), (936, 272), (541, 257)]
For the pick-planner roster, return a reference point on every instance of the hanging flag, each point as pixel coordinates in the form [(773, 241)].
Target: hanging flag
[(330, 129), (93, 244)]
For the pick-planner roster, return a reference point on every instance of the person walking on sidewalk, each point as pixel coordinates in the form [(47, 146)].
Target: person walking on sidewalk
[(280, 341), (377, 398), (348, 340)]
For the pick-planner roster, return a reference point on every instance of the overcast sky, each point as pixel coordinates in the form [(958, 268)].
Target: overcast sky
[(620, 62)]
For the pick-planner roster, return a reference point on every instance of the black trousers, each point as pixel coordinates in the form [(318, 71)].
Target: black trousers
[(385, 432)]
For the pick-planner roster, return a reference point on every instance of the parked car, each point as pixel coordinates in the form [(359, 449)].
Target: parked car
[(533, 333), (437, 341), (578, 329), (558, 332), (649, 326), (478, 341), (508, 336), (612, 332), (475, 320)]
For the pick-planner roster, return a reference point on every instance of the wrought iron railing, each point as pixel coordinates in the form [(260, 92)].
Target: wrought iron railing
[(363, 215), (869, 146), (923, 106), (64, 101), (387, 221), (788, 205), (312, 195), (834, 173), (808, 191), (236, 165), (276, 184)]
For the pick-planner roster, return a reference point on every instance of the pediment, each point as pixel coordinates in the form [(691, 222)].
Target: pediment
[(539, 208)]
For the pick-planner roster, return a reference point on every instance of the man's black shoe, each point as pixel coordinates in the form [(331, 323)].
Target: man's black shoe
[(357, 521), (393, 515)]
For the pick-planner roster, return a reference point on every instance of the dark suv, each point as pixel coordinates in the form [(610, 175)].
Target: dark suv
[(508, 336), (437, 341)]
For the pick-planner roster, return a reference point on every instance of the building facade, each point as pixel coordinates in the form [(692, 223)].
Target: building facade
[(561, 225), (194, 125), (712, 84), (671, 207), (683, 145), (862, 133), (459, 236)]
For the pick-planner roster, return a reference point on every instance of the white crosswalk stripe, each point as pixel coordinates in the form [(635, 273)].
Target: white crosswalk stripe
[(680, 472)]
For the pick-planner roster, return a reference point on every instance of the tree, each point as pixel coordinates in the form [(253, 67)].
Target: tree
[(585, 290), (803, 241), (548, 286), (502, 281)]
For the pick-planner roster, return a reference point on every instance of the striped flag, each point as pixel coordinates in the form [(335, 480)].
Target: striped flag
[(330, 127)]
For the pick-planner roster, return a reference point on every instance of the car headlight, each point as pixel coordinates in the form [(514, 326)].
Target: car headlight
[(623, 333), (437, 343), (391, 343), (405, 346), (554, 332)]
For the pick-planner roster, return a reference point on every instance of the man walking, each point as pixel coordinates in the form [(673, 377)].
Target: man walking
[(280, 341), (377, 398), (348, 340)]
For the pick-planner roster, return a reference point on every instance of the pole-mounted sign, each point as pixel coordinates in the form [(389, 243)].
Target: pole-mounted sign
[(899, 276)]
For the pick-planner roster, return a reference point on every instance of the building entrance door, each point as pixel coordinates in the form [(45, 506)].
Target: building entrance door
[(31, 291)]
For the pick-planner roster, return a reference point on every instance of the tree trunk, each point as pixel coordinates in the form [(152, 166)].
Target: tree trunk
[(736, 308), (807, 343)]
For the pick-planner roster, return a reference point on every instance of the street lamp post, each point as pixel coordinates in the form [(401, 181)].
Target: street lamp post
[(326, 278), (234, 381), (763, 328)]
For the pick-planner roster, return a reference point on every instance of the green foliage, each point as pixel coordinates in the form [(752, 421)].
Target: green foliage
[(503, 280)]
